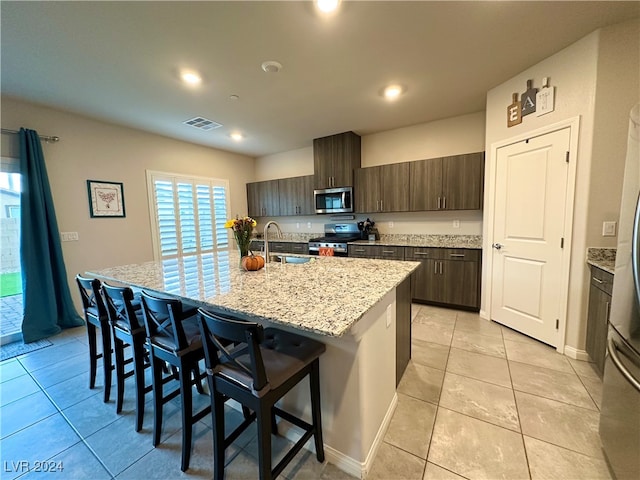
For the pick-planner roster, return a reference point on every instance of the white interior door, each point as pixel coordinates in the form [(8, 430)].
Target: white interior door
[(530, 195)]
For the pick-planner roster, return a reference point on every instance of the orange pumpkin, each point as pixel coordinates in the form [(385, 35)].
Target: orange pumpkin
[(252, 262)]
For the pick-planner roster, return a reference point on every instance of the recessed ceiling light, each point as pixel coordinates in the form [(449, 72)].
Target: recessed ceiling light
[(191, 77), (392, 92), (234, 97), (327, 6), (271, 66), (237, 136)]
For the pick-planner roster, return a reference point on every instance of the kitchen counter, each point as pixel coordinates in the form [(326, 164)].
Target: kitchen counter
[(356, 307), (419, 240), (602, 258), (325, 296)]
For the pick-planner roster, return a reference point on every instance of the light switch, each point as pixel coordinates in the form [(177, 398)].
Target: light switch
[(456, 224), (608, 229), (69, 236)]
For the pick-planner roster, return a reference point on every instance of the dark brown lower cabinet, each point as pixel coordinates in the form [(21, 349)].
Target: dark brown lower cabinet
[(598, 315), (403, 328)]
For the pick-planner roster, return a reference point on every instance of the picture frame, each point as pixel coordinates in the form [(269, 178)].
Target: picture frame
[(106, 199)]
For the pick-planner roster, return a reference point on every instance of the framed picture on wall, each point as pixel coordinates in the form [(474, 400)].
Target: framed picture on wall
[(106, 199)]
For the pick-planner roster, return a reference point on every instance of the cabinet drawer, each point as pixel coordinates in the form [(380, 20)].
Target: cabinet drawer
[(390, 253), (601, 280), (256, 245), (279, 247), (460, 254), (299, 248), (422, 253), (361, 251)]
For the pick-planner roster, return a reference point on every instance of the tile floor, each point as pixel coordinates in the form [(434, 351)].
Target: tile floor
[(477, 401)]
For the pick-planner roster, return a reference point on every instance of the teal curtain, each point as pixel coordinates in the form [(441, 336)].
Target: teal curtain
[(48, 306)]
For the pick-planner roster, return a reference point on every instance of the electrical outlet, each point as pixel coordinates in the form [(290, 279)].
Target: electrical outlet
[(298, 225), (309, 225), (390, 224), (69, 236), (608, 229), (456, 224)]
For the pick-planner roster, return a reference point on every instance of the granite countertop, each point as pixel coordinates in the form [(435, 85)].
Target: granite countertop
[(326, 295), (602, 258), (422, 240)]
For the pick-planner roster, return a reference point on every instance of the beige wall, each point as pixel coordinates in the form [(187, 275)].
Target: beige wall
[(451, 136), (89, 149), (595, 80)]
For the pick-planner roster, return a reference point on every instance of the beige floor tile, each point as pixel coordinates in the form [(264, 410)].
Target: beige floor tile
[(564, 425), (476, 449), (481, 400), (430, 354), (443, 314), (474, 342), (481, 367), (584, 369), (472, 323), (594, 387), (548, 462), (415, 308), (394, 463), (421, 382), (537, 354), (544, 382), (514, 336), (434, 472), (411, 425), (432, 330)]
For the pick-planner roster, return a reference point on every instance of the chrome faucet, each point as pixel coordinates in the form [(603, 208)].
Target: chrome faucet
[(267, 258)]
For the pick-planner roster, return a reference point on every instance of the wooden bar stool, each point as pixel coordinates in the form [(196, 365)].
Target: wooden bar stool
[(257, 370), (127, 330), (173, 337), (97, 319)]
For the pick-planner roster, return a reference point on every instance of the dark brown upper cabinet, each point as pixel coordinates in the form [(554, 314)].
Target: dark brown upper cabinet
[(296, 195), (448, 183), (263, 199), (382, 189), (334, 159)]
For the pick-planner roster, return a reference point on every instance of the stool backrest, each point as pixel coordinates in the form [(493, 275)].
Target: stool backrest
[(91, 298), (119, 307), (163, 316), (227, 339)]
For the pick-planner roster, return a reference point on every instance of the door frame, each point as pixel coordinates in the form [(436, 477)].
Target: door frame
[(573, 124)]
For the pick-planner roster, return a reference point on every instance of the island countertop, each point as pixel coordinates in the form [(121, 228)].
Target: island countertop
[(326, 295)]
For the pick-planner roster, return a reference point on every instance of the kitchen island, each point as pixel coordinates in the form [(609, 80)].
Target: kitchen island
[(348, 304)]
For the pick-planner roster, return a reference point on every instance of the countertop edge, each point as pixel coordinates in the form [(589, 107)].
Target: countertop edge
[(605, 266)]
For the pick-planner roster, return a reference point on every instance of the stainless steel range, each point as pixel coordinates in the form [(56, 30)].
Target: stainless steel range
[(337, 235)]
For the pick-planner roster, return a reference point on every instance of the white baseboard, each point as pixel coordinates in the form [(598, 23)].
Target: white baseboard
[(344, 462), (484, 315), (576, 354)]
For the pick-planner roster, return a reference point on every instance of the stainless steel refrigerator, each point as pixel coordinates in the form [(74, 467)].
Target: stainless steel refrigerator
[(620, 413)]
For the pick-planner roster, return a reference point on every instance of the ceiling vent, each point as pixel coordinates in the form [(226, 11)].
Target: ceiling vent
[(202, 123)]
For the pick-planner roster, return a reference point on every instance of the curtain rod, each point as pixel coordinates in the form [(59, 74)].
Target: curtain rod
[(46, 138)]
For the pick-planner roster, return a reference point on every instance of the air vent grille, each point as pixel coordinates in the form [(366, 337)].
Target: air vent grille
[(202, 123)]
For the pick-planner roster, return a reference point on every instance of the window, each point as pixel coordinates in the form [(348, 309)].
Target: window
[(188, 214)]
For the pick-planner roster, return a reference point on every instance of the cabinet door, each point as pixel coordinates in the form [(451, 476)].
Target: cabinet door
[(425, 190), (254, 205), (263, 199), (597, 317), (288, 196), (305, 196), (394, 186), (323, 161), (463, 182), (367, 189), (459, 283), (347, 158)]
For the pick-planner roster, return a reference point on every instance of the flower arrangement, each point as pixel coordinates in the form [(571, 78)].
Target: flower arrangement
[(242, 229)]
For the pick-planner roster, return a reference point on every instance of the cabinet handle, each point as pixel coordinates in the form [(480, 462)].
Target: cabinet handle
[(440, 268), (421, 253), (439, 201), (444, 202), (597, 280), (608, 310), (381, 208), (435, 268), (388, 251), (359, 250), (456, 254)]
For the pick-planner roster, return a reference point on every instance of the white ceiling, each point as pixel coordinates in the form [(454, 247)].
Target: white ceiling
[(118, 61)]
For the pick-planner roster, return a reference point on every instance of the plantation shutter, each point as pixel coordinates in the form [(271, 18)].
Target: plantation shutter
[(189, 214)]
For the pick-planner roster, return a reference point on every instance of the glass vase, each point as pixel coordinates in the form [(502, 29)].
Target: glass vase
[(244, 251)]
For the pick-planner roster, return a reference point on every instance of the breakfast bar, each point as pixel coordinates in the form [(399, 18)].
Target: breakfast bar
[(349, 304)]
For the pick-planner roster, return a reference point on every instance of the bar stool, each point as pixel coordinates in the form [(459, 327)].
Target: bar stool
[(127, 330), (260, 367), (173, 337), (96, 318)]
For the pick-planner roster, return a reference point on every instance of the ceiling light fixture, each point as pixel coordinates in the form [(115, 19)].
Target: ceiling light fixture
[(327, 6), (271, 66), (237, 136), (191, 77), (392, 92)]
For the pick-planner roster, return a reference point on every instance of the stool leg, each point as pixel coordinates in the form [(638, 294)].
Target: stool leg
[(264, 441), (187, 419), (138, 369), (314, 382), (217, 410), (118, 350), (156, 371), (106, 360), (93, 354)]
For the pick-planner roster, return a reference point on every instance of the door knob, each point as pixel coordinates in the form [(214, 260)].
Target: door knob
[(497, 246)]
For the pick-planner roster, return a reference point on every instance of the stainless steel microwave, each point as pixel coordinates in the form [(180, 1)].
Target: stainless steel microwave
[(334, 200)]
